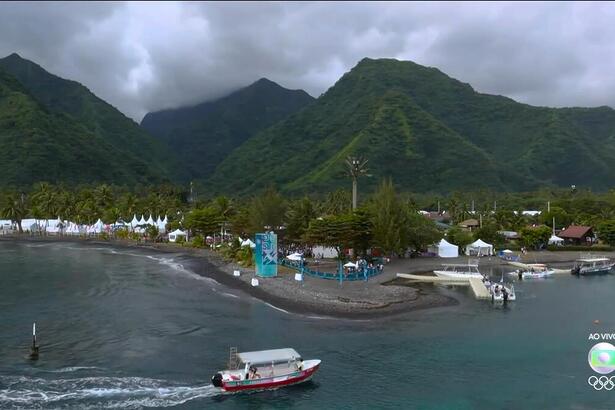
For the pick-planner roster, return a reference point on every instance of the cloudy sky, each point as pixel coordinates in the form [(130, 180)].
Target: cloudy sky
[(143, 57)]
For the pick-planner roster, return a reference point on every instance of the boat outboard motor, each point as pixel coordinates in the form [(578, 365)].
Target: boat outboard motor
[(217, 380), (576, 270), (520, 273)]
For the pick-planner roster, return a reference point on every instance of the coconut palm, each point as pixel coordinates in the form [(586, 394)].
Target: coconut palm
[(15, 208), (356, 167)]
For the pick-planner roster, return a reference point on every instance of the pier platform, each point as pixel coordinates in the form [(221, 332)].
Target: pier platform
[(433, 279), (479, 289)]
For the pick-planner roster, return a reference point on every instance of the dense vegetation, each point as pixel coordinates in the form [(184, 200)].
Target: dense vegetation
[(57, 130), (430, 133), (37, 144), (386, 219), (203, 135)]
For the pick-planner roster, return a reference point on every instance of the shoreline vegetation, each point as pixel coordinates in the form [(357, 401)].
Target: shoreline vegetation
[(383, 226), (380, 297)]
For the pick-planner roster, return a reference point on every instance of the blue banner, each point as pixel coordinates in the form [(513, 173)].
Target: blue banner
[(266, 254)]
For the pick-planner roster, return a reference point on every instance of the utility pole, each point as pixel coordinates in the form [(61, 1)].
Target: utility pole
[(548, 206)]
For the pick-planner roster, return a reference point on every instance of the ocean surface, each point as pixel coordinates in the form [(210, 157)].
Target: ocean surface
[(131, 329)]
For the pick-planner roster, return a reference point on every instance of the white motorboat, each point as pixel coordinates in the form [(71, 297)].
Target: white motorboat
[(533, 271), (501, 293), (459, 271), (265, 369)]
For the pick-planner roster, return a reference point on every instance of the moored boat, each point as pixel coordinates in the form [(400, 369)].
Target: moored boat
[(459, 271), (533, 271), (501, 293), (586, 266), (265, 369)]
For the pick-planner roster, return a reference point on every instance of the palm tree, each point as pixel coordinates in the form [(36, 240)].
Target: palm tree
[(357, 167), (15, 208)]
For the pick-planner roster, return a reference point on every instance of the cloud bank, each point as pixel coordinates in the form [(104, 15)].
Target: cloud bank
[(143, 57)]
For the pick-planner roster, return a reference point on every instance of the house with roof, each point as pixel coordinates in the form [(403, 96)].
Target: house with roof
[(578, 235), (469, 224)]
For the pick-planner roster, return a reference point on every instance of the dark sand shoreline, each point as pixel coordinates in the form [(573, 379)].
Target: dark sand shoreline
[(317, 297), (313, 296)]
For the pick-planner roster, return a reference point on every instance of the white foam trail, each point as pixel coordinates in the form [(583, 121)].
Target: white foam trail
[(277, 308), (100, 392), (73, 369)]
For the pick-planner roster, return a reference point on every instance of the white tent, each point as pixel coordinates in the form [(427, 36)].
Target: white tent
[(447, 250), (249, 243), (142, 221), (98, 227), (295, 257), (507, 251), (134, 222), (176, 234), (555, 240), (351, 265), (73, 229), (150, 220), (479, 248), (324, 252)]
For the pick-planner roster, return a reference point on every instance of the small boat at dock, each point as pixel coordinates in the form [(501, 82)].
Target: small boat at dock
[(264, 369), (589, 265), (459, 271)]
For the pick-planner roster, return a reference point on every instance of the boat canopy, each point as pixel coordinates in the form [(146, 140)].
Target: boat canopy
[(590, 260), (268, 356)]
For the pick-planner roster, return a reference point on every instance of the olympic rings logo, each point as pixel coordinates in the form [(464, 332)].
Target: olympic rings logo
[(602, 382)]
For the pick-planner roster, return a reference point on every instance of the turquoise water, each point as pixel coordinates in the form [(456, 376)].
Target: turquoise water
[(128, 329)]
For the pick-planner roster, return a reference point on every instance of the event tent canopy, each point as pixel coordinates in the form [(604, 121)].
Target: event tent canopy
[(479, 248), (295, 257), (447, 249), (555, 240), (176, 234)]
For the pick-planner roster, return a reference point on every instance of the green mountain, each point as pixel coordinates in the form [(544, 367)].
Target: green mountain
[(427, 131), (139, 157), (204, 134), (39, 145)]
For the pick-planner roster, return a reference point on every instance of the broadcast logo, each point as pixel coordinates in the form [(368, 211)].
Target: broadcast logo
[(601, 359)]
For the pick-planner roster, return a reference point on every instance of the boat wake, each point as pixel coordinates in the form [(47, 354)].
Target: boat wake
[(97, 392)]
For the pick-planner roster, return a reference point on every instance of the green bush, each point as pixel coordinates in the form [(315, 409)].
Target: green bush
[(198, 242), (122, 234)]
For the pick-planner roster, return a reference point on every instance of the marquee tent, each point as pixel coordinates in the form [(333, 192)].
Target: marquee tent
[(479, 248), (173, 236), (447, 250), (555, 240)]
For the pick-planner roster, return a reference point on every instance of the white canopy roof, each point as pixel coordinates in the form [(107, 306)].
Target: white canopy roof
[(507, 251), (350, 265), (134, 221), (249, 243), (295, 257), (555, 239), (150, 221), (481, 247), (447, 249), (479, 243), (178, 232), (268, 356), (142, 221)]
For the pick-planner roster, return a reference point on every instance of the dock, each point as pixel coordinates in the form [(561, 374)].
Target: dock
[(479, 289), (433, 279)]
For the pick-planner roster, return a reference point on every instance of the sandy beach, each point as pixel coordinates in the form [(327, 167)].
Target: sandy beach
[(379, 297)]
